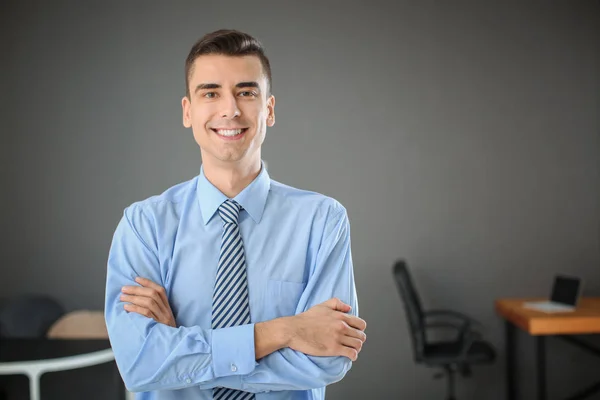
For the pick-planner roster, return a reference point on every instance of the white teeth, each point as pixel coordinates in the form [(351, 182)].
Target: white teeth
[(229, 132)]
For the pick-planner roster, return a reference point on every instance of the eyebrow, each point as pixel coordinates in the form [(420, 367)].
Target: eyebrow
[(205, 86)]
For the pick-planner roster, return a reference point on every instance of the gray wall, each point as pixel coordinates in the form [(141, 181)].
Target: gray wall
[(461, 136)]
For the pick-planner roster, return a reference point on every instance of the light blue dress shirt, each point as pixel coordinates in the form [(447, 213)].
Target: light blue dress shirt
[(298, 255)]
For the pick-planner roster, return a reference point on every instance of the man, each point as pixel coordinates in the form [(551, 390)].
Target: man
[(232, 285)]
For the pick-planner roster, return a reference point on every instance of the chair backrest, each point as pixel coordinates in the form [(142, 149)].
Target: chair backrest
[(80, 324), (28, 316), (412, 307)]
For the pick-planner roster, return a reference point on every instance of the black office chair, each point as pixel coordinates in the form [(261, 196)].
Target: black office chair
[(28, 316), (452, 356)]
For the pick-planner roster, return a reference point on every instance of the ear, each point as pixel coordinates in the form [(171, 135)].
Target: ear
[(271, 111), (185, 106)]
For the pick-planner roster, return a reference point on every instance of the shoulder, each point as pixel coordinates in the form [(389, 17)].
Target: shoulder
[(309, 203), (164, 204)]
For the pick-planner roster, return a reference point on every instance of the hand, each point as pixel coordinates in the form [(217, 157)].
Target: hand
[(149, 300), (326, 330)]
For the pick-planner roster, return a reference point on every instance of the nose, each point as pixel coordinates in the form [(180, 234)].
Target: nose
[(230, 107)]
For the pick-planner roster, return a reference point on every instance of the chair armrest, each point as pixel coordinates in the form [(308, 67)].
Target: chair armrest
[(462, 329), (467, 340), (466, 334), (444, 324), (452, 313)]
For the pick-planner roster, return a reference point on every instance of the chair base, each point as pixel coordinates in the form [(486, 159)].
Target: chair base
[(448, 373)]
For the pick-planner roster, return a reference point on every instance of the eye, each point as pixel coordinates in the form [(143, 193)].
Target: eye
[(248, 93), (210, 95)]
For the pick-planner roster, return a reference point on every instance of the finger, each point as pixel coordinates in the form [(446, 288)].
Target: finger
[(353, 343), (140, 310), (141, 301), (146, 292), (337, 305), (355, 322), (355, 333), (349, 352), (150, 284), (144, 302), (138, 290), (158, 289)]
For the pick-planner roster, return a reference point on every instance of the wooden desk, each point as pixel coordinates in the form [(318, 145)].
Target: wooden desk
[(584, 320)]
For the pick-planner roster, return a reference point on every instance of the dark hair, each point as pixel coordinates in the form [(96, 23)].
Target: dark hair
[(227, 42)]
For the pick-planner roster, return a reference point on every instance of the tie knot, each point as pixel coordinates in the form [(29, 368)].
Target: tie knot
[(229, 211)]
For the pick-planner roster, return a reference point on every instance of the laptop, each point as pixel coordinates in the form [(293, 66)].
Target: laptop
[(564, 298)]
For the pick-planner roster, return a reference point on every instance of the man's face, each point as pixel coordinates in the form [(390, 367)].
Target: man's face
[(228, 109)]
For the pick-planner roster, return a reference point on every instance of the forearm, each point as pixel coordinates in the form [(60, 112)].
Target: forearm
[(154, 356), (270, 336), (279, 367), (145, 367), (288, 369)]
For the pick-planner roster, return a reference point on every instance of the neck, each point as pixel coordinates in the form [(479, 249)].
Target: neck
[(231, 177)]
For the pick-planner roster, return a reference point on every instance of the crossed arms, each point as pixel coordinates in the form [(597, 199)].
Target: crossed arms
[(308, 350)]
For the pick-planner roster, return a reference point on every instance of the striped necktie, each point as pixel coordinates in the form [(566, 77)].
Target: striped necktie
[(230, 298)]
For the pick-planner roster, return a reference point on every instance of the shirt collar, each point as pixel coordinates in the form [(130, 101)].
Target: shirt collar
[(253, 198)]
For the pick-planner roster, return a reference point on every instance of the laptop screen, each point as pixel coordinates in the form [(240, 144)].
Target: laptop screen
[(566, 290)]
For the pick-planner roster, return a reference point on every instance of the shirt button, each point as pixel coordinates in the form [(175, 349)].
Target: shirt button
[(188, 380), (233, 368)]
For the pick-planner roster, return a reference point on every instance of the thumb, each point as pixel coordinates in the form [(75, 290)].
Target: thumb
[(337, 305)]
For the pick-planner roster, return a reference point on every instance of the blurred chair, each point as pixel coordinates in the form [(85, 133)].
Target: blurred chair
[(451, 356), (28, 316)]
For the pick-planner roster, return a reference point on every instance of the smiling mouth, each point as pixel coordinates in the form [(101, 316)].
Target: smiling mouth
[(229, 133)]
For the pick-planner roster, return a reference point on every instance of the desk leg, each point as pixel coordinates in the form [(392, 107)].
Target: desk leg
[(541, 367), (511, 365)]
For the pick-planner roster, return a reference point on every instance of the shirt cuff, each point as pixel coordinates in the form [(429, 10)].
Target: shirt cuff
[(233, 350)]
